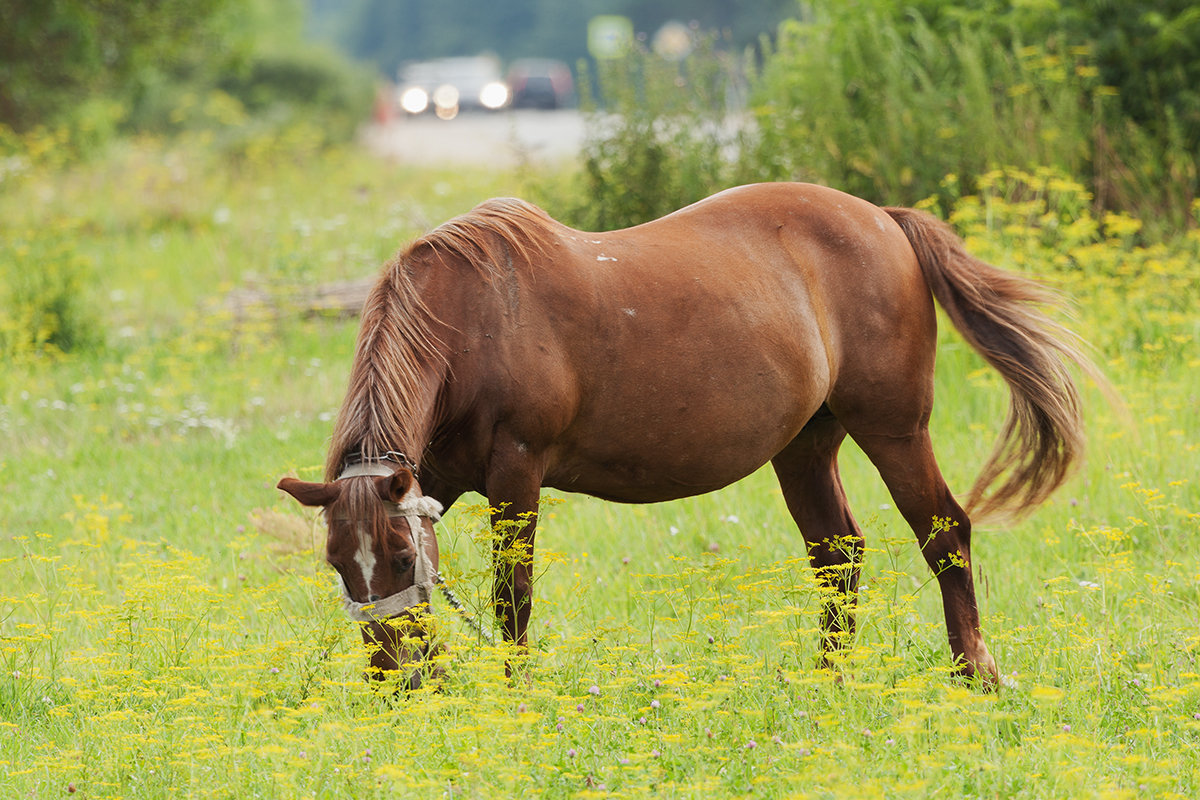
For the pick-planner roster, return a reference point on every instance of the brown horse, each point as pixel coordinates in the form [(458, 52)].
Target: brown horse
[(504, 352)]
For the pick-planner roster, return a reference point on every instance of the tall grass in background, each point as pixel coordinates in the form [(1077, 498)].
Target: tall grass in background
[(885, 106), (884, 113), (660, 135)]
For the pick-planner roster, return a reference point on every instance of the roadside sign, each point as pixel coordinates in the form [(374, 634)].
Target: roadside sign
[(609, 36)]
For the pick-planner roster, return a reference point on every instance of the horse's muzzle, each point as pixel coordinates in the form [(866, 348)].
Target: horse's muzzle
[(402, 646)]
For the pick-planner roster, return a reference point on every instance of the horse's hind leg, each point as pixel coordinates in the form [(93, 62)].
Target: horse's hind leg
[(808, 475), (906, 464)]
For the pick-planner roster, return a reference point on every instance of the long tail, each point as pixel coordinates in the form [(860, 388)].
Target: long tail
[(1000, 315)]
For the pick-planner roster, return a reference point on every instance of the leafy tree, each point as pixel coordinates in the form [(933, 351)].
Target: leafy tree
[(90, 68), (59, 53)]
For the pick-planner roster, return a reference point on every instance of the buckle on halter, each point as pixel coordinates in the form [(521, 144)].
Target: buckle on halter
[(394, 456)]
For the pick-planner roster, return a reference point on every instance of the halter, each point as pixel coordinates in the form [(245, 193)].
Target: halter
[(359, 460), (424, 576), (413, 510)]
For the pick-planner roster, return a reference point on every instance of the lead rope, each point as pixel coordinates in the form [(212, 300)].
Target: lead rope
[(467, 616), (455, 603), (414, 524), (366, 467)]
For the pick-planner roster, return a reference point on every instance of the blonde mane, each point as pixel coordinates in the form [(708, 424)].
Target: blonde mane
[(396, 340), (492, 237)]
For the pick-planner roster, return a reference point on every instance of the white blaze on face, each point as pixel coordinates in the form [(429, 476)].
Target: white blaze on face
[(365, 557)]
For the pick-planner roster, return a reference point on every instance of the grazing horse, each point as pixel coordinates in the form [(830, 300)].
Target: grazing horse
[(505, 351)]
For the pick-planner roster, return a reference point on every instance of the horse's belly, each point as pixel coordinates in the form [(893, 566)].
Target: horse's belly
[(675, 435), (687, 373)]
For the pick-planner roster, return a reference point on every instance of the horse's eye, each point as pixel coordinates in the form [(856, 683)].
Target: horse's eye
[(403, 560)]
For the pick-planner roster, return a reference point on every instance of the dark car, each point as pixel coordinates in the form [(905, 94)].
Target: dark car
[(540, 83)]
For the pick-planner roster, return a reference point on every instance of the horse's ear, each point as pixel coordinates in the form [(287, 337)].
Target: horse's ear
[(395, 486), (311, 494)]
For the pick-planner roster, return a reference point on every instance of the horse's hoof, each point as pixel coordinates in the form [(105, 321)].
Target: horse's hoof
[(980, 673), (832, 667)]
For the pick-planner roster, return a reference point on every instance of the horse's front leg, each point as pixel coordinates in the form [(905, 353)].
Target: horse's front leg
[(514, 526), (513, 496)]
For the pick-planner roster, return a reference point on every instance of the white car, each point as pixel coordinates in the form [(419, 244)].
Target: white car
[(449, 85)]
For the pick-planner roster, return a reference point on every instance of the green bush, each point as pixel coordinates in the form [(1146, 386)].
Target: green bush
[(42, 281), (883, 98), (313, 86), (59, 56), (272, 92), (84, 73), (660, 136), (886, 113)]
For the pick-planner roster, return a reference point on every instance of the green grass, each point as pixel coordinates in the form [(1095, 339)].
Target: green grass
[(155, 641)]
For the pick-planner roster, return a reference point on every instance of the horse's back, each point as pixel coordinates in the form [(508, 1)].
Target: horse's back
[(836, 249), (776, 268)]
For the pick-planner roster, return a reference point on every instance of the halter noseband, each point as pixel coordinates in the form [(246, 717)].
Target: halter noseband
[(413, 510)]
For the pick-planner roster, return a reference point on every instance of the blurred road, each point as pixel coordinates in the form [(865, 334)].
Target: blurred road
[(502, 139)]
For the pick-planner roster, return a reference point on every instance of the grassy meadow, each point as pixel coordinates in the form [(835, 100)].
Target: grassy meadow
[(168, 627)]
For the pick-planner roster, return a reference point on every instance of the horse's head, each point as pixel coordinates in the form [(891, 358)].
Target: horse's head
[(382, 543)]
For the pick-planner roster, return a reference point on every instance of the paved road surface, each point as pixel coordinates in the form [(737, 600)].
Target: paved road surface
[(500, 139)]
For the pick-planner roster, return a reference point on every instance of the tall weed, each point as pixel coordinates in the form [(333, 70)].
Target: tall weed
[(853, 100), (662, 134), (43, 280)]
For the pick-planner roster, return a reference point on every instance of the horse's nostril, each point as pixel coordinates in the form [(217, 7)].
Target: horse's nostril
[(373, 598)]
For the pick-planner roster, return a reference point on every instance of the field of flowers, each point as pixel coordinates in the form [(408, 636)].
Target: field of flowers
[(168, 628)]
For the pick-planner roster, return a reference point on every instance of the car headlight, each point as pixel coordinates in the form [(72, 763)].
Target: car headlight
[(445, 96), (414, 100), (494, 95)]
